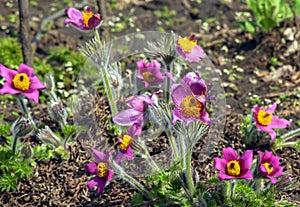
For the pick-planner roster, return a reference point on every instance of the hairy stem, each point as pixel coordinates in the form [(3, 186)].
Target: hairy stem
[(291, 134), (173, 144), (189, 176)]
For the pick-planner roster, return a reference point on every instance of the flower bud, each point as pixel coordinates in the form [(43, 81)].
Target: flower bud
[(21, 127), (48, 137), (58, 113), (26, 150)]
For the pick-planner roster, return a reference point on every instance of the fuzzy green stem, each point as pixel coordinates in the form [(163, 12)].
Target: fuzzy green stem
[(173, 144), (136, 184), (189, 176), (291, 134), (14, 143), (182, 151), (258, 184), (286, 144), (227, 189)]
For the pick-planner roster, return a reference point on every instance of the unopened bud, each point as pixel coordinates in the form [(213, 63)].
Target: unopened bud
[(58, 113), (26, 150), (48, 137), (21, 127)]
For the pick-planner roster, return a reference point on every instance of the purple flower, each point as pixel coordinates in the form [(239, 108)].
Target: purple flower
[(188, 49), (190, 99), (265, 121), (99, 168), (85, 20), (269, 165), (150, 73), (138, 112), (232, 167), (126, 140), (22, 81)]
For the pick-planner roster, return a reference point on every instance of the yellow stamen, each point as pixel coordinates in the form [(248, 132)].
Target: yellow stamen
[(269, 167), (126, 140), (233, 168), (191, 107), (102, 170), (186, 44), (148, 76), (21, 81), (264, 118), (86, 15)]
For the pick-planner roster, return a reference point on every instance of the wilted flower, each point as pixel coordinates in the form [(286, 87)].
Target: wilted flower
[(138, 112), (22, 81), (266, 121), (232, 167), (47, 136), (191, 106), (269, 165), (125, 142), (150, 73), (188, 49), (99, 168), (85, 20)]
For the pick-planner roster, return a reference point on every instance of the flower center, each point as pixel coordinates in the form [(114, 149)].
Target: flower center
[(233, 168), (126, 140), (191, 107), (102, 170), (264, 118), (21, 81), (86, 15), (269, 167), (148, 76), (187, 44)]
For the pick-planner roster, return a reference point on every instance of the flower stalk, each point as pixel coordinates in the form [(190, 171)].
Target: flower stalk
[(189, 175)]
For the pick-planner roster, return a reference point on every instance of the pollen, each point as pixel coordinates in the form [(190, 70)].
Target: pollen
[(21, 81), (191, 107), (186, 44), (148, 76), (86, 15), (233, 168), (102, 170), (269, 167), (264, 118), (126, 140)]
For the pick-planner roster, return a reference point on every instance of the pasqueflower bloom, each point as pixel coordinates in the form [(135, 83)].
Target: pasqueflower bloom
[(99, 168), (196, 83), (232, 167), (85, 20), (188, 49), (266, 121), (138, 112), (190, 99), (150, 73), (125, 142), (22, 81), (269, 165)]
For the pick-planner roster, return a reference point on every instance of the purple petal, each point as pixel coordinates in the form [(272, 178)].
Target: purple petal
[(178, 93), (223, 176), (135, 130), (156, 65), (36, 83), (273, 179), (267, 129), (94, 21), (267, 157), (176, 116), (220, 164), (8, 89), (101, 185), (277, 171), (195, 54), (92, 167), (255, 109), (128, 154), (74, 14), (93, 182), (99, 156), (245, 160), (141, 64), (205, 118), (246, 175), (229, 154), (128, 117), (272, 108), (110, 175), (33, 95), (139, 103), (23, 68), (7, 74), (279, 123)]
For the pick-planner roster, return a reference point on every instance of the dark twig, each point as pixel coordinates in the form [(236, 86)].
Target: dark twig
[(25, 33)]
